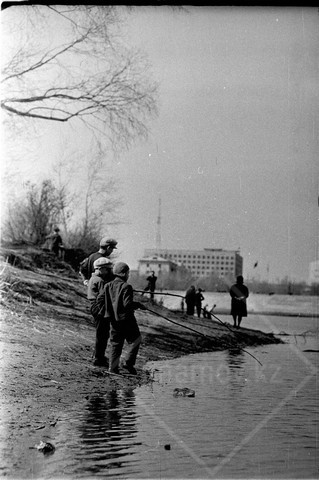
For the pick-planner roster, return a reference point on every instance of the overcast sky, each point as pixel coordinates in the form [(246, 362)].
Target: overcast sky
[(233, 154)]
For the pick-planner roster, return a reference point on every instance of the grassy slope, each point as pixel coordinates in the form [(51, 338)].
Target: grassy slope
[(40, 285)]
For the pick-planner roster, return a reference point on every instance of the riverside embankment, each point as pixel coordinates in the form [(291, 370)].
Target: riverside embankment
[(47, 339)]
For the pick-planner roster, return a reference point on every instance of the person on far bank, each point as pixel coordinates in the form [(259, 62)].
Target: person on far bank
[(107, 245), (102, 274), (119, 309), (190, 300), (151, 284), (239, 294), (206, 313), (198, 301)]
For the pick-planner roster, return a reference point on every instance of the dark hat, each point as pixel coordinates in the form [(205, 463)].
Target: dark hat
[(120, 269), (105, 242)]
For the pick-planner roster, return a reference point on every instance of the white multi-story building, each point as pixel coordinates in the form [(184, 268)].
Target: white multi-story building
[(157, 264), (203, 263)]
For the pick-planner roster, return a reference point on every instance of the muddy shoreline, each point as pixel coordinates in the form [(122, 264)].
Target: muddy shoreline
[(47, 363), (47, 341)]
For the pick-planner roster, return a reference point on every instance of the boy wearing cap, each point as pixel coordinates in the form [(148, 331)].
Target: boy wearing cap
[(119, 308), (102, 274), (107, 245)]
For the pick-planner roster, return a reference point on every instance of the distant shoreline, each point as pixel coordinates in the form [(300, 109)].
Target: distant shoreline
[(273, 314)]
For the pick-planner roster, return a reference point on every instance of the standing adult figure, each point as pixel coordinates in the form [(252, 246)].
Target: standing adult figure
[(190, 300), (107, 245), (56, 242), (151, 284), (198, 301), (239, 293)]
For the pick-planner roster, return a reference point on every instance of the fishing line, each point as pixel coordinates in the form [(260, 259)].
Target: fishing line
[(181, 296), (199, 333), (175, 323)]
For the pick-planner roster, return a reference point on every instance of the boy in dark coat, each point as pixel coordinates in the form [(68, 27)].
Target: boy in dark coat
[(119, 309)]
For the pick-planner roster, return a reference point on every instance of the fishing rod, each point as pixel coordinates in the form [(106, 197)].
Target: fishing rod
[(196, 331), (175, 323), (181, 296), (159, 293), (210, 312)]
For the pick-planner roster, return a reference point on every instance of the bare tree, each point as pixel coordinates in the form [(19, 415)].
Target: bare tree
[(98, 201), (87, 196), (63, 172), (32, 217), (66, 63)]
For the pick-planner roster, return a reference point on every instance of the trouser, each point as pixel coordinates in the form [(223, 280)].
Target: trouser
[(102, 326), (148, 289), (190, 308), (198, 310), (121, 331)]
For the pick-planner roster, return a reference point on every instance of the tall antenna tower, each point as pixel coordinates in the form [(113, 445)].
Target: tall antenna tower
[(158, 231)]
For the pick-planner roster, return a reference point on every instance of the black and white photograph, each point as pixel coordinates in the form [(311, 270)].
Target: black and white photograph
[(159, 249)]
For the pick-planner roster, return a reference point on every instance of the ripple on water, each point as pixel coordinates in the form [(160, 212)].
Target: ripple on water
[(245, 421)]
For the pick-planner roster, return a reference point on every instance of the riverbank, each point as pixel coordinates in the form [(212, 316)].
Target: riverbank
[(258, 304), (47, 340), (38, 288)]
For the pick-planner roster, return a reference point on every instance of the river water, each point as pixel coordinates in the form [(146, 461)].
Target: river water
[(246, 420)]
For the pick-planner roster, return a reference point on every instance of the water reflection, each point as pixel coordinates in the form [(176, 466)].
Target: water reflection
[(235, 358), (107, 428), (237, 374)]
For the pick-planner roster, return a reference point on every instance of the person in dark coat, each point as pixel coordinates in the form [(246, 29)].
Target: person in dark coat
[(107, 245), (190, 300), (198, 302), (102, 274), (56, 242), (239, 293), (119, 307), (151, 284)]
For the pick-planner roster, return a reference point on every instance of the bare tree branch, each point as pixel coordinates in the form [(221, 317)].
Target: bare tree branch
[(87, 76), (47, 58)]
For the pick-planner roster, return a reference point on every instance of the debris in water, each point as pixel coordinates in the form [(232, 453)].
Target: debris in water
[(183, 392), (167, 447), (45, 447)]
